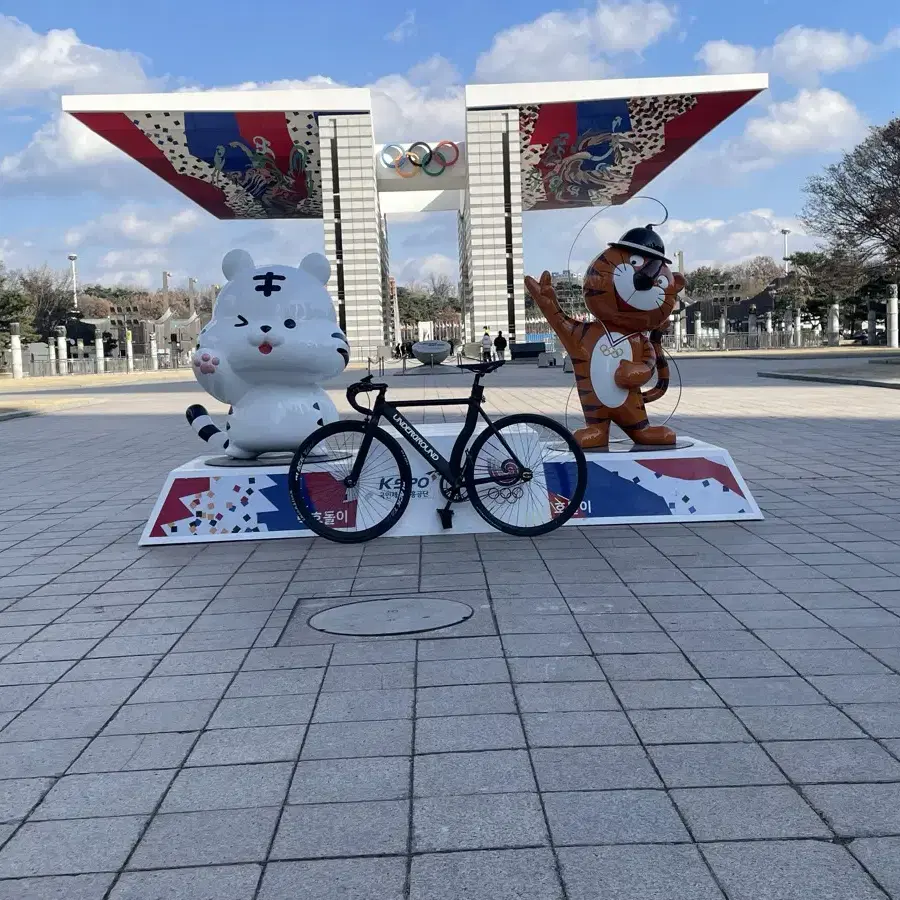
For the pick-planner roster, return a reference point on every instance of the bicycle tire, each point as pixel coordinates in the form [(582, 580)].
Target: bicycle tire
[(302, 503), (570, 447)]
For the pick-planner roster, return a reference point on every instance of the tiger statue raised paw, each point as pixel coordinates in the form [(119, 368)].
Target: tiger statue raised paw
[(631, 292)]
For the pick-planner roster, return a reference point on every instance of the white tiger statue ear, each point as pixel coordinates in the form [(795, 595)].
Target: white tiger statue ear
[(317, 266), (236, 261)]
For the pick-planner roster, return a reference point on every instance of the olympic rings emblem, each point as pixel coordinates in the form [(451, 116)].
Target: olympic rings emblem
[(420, 155)]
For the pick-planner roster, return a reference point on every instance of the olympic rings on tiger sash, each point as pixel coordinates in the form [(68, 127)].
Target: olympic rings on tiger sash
[(420, 155)]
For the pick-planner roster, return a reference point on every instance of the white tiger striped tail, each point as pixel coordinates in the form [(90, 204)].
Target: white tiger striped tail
[(207, 430)]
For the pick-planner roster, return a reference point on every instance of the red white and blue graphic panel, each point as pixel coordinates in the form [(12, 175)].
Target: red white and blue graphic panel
[(698, 484), (236, 165), (597, 152)]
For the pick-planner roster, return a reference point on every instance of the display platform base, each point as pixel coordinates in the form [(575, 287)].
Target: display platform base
[(200, 503)]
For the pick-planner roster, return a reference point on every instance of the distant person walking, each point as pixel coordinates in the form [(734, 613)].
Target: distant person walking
[(500, 345), (486, 345)]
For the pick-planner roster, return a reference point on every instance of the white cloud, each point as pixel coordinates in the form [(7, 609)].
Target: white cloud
[(427, 103), (35, 67), (572, 46), (116, 258), (716, 241), (405, 29), (724, 58), (7, 253), (135, 226), (59, 145), (800, 54), (139, 278), (420, 268), (814, 121), (132, 244)]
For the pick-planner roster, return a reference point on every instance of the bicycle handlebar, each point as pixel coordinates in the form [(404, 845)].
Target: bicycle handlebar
[(362, 387)]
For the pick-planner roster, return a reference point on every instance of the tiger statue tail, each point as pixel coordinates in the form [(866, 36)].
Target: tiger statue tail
[(662, 369)]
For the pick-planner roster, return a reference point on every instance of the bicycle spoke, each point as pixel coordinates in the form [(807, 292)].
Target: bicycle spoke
[(368, 502), (509, 478)]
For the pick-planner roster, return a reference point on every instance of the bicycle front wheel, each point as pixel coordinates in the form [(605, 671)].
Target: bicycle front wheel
[(507, 473), (349, 515)]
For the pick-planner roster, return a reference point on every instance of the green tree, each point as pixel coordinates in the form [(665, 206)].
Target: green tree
[(855, 202), (755, 275), (49, 296), (819, 278), (435, 301), (699, 282), (13, 307)]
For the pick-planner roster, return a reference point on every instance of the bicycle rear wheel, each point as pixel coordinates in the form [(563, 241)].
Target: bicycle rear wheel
[(517, 500), (349, 515)]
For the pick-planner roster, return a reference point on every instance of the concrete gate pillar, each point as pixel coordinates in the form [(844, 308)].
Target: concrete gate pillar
[(892, 316), (154, 351), (15, 349), (99, 359), (61, 350), (834, 324)]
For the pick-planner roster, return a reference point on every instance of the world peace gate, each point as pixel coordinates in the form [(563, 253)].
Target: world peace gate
[(304, 154)]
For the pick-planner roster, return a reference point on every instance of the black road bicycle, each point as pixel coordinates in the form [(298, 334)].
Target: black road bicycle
[(350, 481)]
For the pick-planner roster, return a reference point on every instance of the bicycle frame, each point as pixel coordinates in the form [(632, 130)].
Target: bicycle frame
[(451, 469)]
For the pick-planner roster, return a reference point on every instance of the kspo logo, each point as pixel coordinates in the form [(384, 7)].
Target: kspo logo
[(395, 483), (420, 157)]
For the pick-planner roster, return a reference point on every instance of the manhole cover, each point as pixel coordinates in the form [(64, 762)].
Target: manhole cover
[(396, 615)]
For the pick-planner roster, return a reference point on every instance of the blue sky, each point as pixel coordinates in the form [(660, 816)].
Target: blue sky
[(833, 67)]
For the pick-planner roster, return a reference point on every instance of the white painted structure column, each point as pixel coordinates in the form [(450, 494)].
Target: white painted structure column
[(834, 324), (154, 351), (698, 329), (61, 351), (129, 352), (15, 349), (355, 236), (99, 360), (493, 276), (798, 329), (723, 331), (51, 355), (892, 316)]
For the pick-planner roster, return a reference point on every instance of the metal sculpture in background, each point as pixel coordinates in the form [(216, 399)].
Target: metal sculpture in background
[(631, 291), (431, 353)]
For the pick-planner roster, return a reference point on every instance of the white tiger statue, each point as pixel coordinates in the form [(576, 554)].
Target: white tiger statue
[(272, 338)]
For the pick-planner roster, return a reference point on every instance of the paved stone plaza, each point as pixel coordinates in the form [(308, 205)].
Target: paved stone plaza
[(650, 713)]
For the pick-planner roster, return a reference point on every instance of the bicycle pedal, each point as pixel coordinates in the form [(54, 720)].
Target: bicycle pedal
[(446, 517)]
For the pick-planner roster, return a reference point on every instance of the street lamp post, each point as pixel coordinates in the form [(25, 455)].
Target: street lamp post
[(192, 290), (784, 233), (723, 312), (72, 257)]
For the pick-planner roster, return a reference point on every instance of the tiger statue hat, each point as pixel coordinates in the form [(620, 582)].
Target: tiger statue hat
[(631, 292)]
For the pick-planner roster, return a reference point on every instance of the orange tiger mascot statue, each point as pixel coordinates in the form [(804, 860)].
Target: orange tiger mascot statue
[(631, 291)]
